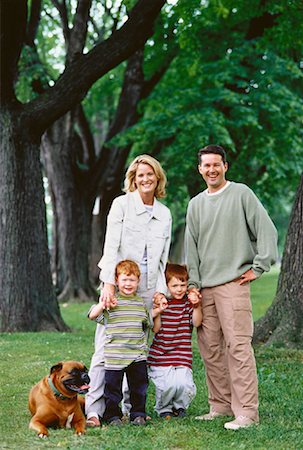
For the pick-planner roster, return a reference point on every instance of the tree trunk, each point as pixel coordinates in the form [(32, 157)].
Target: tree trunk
[(283, 322), (27, 301), (99, 225), (27, 298), (72, 212)]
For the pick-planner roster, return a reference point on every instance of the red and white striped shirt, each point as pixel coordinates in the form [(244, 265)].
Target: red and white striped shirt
[(171, 346)]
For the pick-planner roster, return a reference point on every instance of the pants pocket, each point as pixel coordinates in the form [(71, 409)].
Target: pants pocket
[(242, 312)]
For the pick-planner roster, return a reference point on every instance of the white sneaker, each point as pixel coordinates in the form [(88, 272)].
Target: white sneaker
[(240, 422), (211, 415)]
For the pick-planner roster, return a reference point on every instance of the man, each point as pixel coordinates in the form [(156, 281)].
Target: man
[(230, 241)]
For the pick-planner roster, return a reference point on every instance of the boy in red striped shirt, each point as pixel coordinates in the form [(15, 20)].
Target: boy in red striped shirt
[(170, 355)]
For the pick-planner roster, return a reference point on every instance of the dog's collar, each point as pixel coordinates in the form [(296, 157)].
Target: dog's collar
[(55, 390)]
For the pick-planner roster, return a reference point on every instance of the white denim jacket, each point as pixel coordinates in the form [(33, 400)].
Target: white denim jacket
[(130, 229)]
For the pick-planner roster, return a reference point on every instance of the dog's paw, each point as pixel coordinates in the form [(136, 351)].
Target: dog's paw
[(80, 433), (42, 436)]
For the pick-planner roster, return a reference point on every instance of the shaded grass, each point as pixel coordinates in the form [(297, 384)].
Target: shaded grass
[(26, 357), (263, 292)]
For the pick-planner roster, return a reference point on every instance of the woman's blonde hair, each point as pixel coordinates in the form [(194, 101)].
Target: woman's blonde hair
[(129, 182)]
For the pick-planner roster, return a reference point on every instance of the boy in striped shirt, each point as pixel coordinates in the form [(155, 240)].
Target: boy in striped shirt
[(125, 348), (170, 355)]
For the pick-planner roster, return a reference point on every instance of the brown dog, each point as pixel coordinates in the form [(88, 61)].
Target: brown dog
[(54, 401)]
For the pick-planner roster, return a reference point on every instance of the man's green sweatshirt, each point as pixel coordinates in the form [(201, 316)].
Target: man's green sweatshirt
[(227, 234)]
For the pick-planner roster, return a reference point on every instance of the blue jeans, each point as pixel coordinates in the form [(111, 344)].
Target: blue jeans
[(136, 374)]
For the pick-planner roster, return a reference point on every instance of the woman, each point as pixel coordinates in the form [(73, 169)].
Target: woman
[(139, 229)]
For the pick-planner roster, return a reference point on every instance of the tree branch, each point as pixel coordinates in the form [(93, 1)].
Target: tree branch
[(79, 31), (86, 137), (33, 23), (13, 31), (78, 77), (61, 7)]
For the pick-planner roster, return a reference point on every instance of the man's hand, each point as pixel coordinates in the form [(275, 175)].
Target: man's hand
[(247, 277)]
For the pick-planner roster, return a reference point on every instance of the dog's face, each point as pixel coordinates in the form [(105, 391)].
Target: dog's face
[(72, 375)]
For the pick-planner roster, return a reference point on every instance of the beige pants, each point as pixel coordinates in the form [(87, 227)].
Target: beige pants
[(225, 345)]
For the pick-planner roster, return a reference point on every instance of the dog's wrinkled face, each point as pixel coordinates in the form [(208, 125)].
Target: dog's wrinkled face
[(73, 376)]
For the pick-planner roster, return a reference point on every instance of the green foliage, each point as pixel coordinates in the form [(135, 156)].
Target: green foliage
[(31, 71), (229, 82), (29, 356), (245, 94)]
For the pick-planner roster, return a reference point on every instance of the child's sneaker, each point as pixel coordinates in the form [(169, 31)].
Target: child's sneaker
[(179, 412), (139, 421), (116, 422), (167, 415)]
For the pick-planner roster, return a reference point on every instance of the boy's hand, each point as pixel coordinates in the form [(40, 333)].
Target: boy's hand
[(163, 304), (159, 304), (194, 296), (113, 303), (108, 304), (157, 298)]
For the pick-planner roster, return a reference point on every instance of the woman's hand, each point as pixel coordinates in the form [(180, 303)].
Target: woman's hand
[(108, 296)]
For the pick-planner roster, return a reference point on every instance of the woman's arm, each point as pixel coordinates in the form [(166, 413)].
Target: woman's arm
[(112, 243), (161, 283)]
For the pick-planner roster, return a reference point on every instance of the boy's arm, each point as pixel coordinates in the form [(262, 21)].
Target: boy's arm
[(96, 310), (195, 301), (197, 315), (156, 314), (157, 324)]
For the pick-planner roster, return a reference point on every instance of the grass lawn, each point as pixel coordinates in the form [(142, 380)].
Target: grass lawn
[(27, 357)]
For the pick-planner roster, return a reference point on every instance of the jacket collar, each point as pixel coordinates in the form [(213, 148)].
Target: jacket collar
[(140, 208)]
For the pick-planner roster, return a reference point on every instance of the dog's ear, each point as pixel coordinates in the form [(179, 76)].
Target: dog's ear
[(57, 366)]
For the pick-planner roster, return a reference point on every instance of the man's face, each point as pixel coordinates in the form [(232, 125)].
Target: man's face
[(213, 171)]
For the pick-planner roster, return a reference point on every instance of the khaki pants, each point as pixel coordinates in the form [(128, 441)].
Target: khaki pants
[(225, 345)]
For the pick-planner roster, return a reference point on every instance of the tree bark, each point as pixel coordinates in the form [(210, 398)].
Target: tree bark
[(27, 298), (283, 322), (72, 212)]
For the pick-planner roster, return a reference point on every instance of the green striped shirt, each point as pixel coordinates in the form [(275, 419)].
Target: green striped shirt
[(125, 337)]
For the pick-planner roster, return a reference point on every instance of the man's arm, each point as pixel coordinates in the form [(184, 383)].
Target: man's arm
[(265, 234)]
